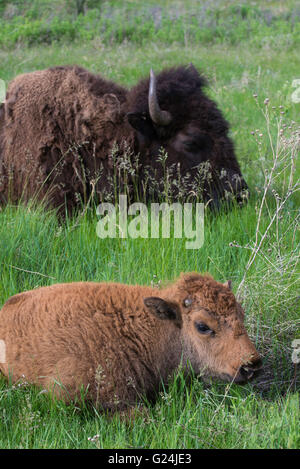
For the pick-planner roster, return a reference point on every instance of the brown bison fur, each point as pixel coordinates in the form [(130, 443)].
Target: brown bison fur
[(118, 342), (65, 130)]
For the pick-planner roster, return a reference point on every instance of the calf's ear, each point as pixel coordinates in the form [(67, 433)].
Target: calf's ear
[(228, 284), (164, 309)]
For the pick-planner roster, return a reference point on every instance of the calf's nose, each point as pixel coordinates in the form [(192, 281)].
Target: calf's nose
[(246, 372)]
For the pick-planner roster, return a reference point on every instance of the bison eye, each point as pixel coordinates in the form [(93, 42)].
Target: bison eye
[(198, 143), (191, 147), (203, 328)]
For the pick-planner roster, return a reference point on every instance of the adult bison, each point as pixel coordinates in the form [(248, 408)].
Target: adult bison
[(67, 133), (117, 342)]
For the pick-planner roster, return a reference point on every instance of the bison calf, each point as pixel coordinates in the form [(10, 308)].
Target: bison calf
[(118, 341)]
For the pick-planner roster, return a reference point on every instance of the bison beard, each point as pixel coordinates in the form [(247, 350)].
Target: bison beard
[(66, 134)]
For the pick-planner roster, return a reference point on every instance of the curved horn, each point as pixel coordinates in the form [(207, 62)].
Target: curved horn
[(158, 116)]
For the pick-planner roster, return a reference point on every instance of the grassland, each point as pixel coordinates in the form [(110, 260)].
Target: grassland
[(239, 61)]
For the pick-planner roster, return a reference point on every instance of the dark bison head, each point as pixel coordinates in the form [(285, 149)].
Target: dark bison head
[(171, 112)]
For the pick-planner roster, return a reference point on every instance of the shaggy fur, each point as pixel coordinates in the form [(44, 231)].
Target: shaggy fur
[(117, 341), (59, 126)]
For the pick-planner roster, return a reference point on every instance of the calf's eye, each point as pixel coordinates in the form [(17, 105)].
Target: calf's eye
[(203, 328)]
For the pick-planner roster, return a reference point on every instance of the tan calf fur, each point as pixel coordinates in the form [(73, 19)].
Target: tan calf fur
[(118, 342)]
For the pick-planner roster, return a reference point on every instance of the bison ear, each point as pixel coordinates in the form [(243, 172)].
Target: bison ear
[(163, 309), (142, 123), (111, 106), (228, 284)]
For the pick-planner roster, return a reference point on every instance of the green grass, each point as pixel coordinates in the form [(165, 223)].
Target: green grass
[(183, 417), (140, 22), (36, 250)]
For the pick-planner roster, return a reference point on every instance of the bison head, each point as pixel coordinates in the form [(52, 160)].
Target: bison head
[(171, 112), (210, 325)]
